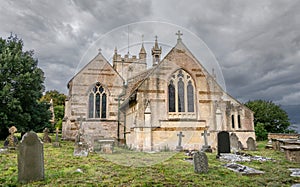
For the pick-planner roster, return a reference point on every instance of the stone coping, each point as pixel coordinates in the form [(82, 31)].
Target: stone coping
[(291, 147)]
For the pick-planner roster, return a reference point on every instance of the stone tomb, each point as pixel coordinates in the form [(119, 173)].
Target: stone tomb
[(292, 153), (251, 145), (30, 158), (200, 162), (104, 146), (223, 142)]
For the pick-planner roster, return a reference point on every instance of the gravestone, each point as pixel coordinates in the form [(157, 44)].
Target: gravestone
[(11, 141), (179, 146), (223, 142), (81, 148), (240, 145), (234, 142), (46, 138), (30, 158), (56, 143), (206, 147), (200, 162), (251, 144)]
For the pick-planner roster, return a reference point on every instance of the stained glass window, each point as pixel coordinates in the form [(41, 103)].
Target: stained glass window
[(190, 97), (180, 96), (97, 102), (171, 90), (181, 92)]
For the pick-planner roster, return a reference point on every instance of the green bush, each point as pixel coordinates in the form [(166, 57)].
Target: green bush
[(260, 132)]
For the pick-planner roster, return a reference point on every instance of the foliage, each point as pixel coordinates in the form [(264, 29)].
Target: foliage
[(272, 116), (61, 166), (58, 98), (21, 86), (260, 132), (59, 111)]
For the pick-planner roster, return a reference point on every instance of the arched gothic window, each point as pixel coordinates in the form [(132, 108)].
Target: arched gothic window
[(97, 102), (181, 92)]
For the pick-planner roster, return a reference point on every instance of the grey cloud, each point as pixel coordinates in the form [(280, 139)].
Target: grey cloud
[(257, 43)]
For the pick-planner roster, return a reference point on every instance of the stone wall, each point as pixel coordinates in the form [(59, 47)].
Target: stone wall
[(282, 136)]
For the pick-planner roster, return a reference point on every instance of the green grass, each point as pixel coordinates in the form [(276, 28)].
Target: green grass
[(99, 170)]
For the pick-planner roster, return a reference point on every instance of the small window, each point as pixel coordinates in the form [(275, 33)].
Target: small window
[(232, 121), (239, 121)]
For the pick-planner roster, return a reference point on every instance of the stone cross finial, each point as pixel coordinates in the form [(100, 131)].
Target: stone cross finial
[(180, 135), (205, 134), (142, 38), (179, 34), (99, 50), (155, 37)]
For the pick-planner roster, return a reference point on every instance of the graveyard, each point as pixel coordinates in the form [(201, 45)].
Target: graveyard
[(62, 168)]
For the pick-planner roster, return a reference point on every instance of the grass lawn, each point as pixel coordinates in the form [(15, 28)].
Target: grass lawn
[(119, 169)]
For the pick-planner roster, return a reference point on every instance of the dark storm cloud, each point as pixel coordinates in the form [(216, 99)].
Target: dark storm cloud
[(257, 43), (61, 31)]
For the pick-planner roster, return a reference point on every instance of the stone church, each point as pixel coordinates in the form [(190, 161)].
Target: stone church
[(149, 108)]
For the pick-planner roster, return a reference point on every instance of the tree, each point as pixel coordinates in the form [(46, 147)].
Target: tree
[(21, 87), (58, 98), (58, 105), (269, 116)]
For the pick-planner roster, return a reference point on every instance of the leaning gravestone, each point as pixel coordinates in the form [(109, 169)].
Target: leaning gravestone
[(251, 144), (200, 162), (234, 142), (223, 142), (30, 158), (46, 138)]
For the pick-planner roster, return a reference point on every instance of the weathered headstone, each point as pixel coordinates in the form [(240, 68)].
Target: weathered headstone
[(240, 145), (56, 143), (81, 148), (30, 158), (206, 147), (46, 138), (200, 162), (223, 142), (234, 142), (251, 144), (179, 146), (11, 141)]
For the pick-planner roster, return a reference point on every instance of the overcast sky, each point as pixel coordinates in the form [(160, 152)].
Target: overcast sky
[(255, 42)]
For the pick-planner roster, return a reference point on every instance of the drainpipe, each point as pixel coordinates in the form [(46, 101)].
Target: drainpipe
[(119, 99)]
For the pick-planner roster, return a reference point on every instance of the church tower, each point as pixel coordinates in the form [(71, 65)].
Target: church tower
[(156, 52), (142, 54)]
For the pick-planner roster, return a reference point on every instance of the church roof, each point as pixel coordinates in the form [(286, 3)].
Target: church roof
[(99, 56)]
